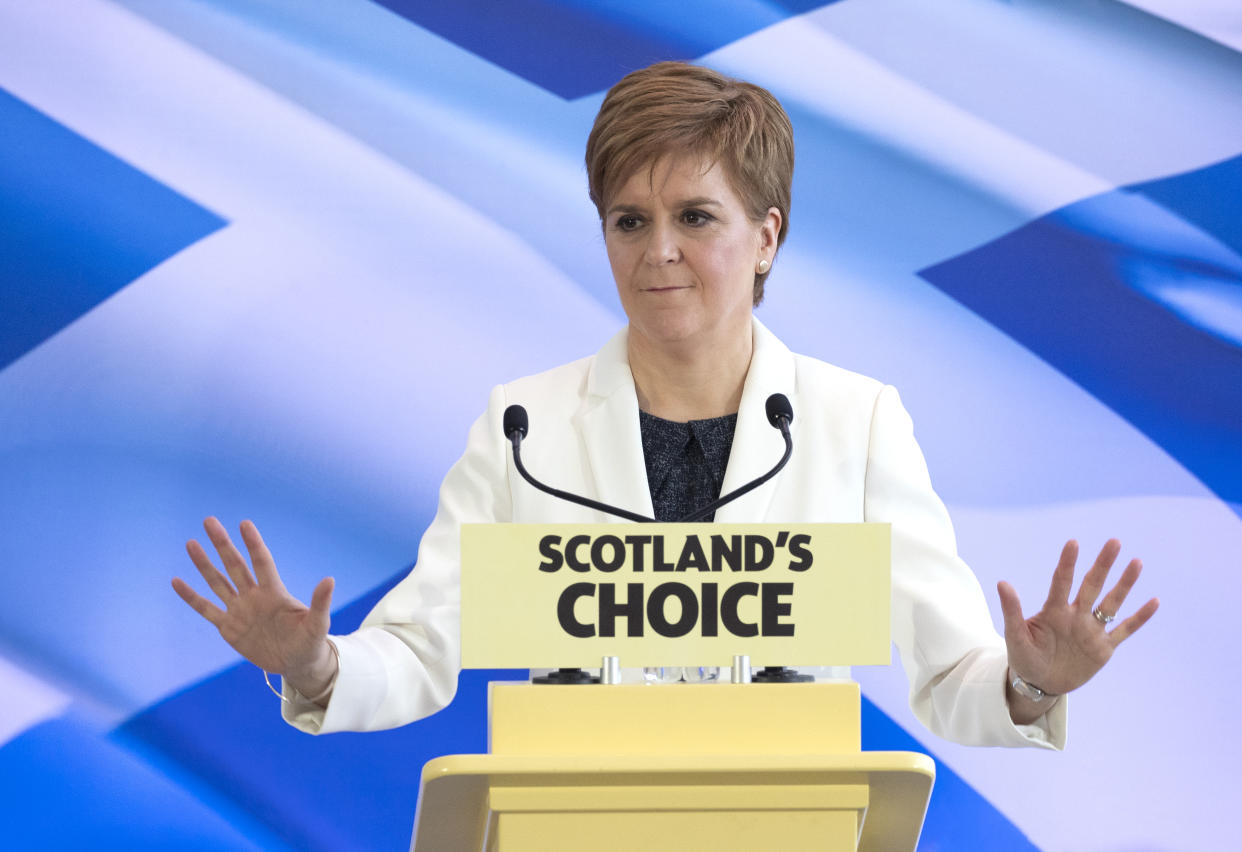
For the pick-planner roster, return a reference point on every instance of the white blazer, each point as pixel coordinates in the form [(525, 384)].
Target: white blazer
[(855, 459)]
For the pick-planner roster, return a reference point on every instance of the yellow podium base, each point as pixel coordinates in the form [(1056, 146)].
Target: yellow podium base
[(674, 767)]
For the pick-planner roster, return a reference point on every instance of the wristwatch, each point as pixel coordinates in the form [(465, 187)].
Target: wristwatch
[(1027, 690)]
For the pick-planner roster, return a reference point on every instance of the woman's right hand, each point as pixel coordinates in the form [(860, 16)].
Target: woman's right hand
[(261, 620)]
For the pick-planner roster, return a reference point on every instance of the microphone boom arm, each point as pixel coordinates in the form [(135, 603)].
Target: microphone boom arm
[(779, 412), (565, 495)]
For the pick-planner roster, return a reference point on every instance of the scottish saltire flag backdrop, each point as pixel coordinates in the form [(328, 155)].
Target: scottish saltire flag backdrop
[(265, 258)]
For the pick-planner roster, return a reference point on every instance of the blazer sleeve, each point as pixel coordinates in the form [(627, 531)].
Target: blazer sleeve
[(402, 663), (954, 659)]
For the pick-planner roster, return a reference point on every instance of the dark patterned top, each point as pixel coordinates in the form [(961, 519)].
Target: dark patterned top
[(685, 462)]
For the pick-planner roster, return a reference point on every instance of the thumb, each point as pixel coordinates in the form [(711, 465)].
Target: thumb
[(1011, 608), (321, 604)]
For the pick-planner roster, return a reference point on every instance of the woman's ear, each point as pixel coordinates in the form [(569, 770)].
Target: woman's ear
[(769, 231)]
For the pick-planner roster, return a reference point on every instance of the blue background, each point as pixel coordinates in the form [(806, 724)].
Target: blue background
[(261, 258)]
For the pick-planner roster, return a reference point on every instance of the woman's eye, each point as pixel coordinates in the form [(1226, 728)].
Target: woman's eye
[(627, 223), (694, 217)]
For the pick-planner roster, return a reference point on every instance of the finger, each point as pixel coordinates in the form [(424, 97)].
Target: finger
[(1011, 609), (238, 570), (1116, 597), (1130, 626), (197, 602), (1094, 579), (321, 604), (260, 557), (1063, 576), (218, 582)]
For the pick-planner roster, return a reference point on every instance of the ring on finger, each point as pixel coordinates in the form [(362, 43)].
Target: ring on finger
[(1101, 616)]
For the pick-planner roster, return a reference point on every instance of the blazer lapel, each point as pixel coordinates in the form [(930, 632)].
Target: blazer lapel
[(757, 445), (609, 428)]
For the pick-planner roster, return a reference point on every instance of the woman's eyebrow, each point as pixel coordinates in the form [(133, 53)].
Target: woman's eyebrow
[(703, 201), (624, 208)]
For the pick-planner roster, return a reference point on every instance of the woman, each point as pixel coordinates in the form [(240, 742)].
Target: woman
[(691, 175)]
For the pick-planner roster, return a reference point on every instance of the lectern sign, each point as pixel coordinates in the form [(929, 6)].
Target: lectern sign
[(555, 595)]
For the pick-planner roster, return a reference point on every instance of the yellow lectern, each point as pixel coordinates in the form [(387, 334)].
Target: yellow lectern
[(650, 767), (674, 767)]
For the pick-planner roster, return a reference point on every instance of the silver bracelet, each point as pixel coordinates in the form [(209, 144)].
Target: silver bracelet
[(1029, 691), (324, 693), (268, 681)]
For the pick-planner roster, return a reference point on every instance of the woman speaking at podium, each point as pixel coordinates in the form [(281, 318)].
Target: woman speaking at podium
[(691, 173)]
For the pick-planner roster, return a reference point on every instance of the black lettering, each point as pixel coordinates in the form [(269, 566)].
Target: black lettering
[(571, 553), (657, 556), (636, 542), (597, 553), (730, 553), (781, 537), (692, 555), (632, 609), (798, 548), (565, 610), (773, 608), (728, 609), (759, 552), (547, 547), (689, 609), (710, 592)]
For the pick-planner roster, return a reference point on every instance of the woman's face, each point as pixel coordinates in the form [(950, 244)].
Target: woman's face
[(684, 253)]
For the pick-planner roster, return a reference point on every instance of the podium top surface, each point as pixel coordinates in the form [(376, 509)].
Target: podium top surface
[(598, 767)]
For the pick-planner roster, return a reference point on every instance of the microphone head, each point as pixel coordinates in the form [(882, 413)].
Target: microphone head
[(516, 422), (779, 409)]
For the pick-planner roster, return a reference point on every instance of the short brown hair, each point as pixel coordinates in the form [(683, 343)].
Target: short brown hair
[(676, 108)]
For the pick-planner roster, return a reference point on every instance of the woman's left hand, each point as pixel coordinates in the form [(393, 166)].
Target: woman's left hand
[(1063, 645)]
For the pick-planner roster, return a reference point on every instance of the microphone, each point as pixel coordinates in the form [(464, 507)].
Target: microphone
[(516, 425), (780, 415), (778, 408), (515, 420)]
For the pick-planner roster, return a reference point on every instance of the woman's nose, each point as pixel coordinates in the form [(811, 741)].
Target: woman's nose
[(662, 245)]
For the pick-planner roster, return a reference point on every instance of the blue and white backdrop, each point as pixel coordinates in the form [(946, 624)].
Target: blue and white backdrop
[(265, 258)]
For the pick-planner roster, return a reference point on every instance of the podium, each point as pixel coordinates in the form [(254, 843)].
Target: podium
[(674, 767)]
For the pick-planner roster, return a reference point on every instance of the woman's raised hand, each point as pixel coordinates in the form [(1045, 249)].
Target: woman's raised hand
[(260, 619), (1063, 645)]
